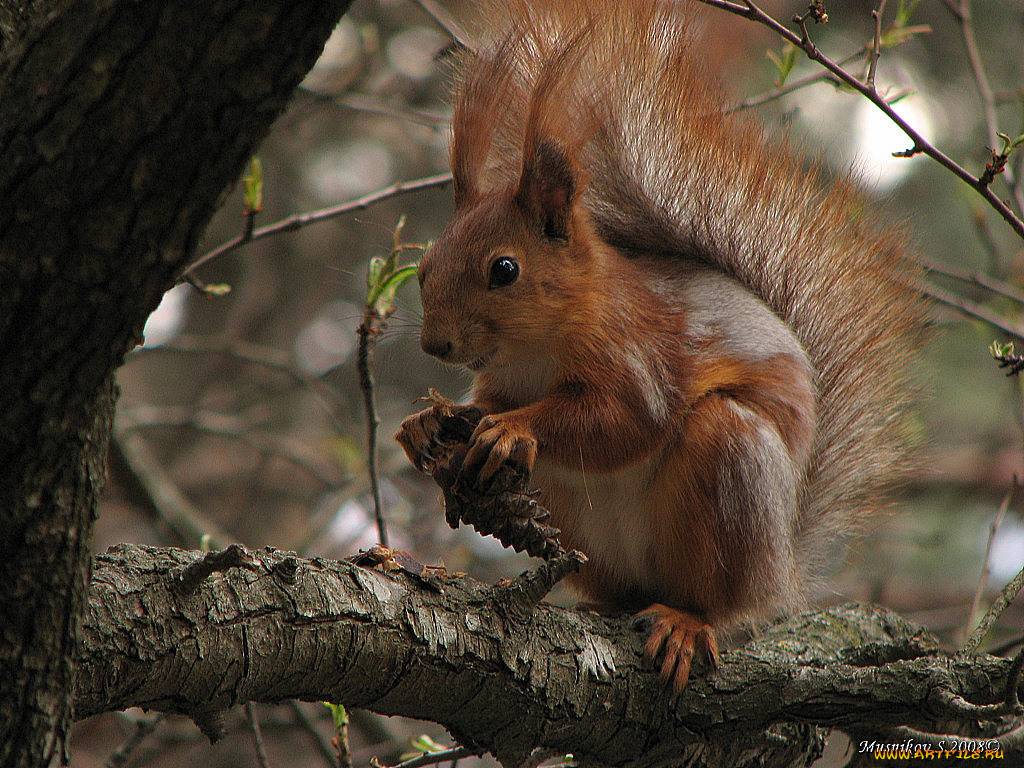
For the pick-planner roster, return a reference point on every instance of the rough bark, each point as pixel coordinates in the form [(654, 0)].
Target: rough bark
[(498, 674), (122, 123)]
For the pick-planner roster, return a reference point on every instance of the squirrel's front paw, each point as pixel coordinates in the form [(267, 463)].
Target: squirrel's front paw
[(418, 436), (429, 436), (497, 440)]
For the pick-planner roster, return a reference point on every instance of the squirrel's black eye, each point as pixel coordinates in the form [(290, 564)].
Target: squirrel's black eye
[(504, 272)]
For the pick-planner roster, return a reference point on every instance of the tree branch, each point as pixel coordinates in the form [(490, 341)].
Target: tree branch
[(748, 10), (557, 681)]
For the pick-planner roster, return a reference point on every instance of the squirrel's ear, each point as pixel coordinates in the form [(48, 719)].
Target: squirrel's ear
[(547, 189)]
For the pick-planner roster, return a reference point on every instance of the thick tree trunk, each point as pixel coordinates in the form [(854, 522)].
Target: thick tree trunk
[(518, 681), (121, 123), (120, 127)]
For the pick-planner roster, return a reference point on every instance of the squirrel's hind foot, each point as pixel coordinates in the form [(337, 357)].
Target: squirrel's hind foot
[(676, 635)]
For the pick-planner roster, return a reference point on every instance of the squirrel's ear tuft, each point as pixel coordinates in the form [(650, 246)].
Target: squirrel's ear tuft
[(547, 189)]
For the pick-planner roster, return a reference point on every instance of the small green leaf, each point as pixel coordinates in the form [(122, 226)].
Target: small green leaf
[(1001, 350), (385, 276), (784, 63), (339, 715), (895, 34), (897, 97), (1010, 144), (253, 185), (904, 10), (389, 263), (373, 276), (422, 745), (384, 303), (216, 289), (426, 744)]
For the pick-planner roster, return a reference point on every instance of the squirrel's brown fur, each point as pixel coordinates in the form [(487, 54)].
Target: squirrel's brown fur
[(702, 447)]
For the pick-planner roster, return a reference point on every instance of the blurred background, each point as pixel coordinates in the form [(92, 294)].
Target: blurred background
[(241, 418)]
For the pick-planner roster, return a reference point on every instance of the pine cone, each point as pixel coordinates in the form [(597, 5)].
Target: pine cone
[(506, 508)]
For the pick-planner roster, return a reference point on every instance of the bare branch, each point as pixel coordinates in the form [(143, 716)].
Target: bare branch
[(143, 728), (433, 758), (973, 309), (986, 562), (257, 735), (994, 612), (920, 145), (575, 681), (965, 17), (298, 221), (445, 21), (232, 427), (133, 456), (979, 279), (876, 45)]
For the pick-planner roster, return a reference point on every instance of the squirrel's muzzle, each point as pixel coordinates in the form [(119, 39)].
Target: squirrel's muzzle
[(436, 344)]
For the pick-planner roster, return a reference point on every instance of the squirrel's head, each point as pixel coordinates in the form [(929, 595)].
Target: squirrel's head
[(500, 284)]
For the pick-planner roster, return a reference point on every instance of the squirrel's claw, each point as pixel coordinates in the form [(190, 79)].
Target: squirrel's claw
[(418, 435), (496, 441), (676, 635)]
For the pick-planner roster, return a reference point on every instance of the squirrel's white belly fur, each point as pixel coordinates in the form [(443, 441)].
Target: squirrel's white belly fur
[(615, 536)]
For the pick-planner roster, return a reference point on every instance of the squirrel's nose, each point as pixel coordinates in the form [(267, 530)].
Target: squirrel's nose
[(437, 346)]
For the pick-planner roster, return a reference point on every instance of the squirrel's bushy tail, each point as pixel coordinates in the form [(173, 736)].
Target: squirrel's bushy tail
[(618, 86)]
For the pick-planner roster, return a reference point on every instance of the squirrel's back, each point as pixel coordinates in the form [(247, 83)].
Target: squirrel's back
[(668, 171)]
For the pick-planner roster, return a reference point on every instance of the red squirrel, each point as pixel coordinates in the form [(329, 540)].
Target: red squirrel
[(699, 349)]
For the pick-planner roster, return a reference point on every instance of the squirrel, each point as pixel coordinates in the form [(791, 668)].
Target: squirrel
[(700, 349)]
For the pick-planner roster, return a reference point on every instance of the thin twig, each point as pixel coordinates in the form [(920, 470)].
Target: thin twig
[(361, 102), (143, 728), (307, 725), (793, 85), (365, 333), (298, 221), (876, 46), (768, 96), (433, 758), (974, 277), (248, 352), (257, 736), (385, 277), (749, 10), (342, 749), (232, 427), (986, 566), (965, 17), (994, 612), (446, 21), (250, 225), (161, 493), (973, 309)]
